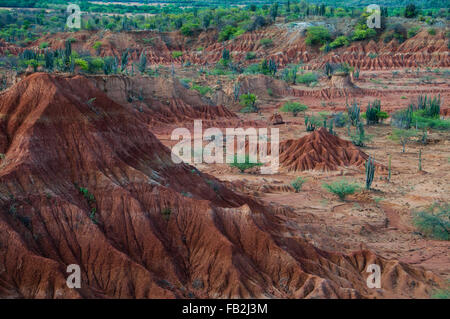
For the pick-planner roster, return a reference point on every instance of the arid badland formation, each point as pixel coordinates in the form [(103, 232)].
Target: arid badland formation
[(87, 178)]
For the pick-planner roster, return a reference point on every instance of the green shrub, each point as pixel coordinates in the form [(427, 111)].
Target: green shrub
[(188, 29), (340, 42), (203, 90), (413, 31), (434, 221), (307, 78), (432, 31), (293, 107), (297, 183), (230, 32), (95, 65), (441, 294), (245, 165), (363, 34), (250, 56), (317, 35), (402, 136), (312, 122), (266, 42), (382, 115), (426, 122), (342, 188), (359, 137), (176, 54), (373, 108), (97, 45), (43, 45), (248, 101), (83, 64)]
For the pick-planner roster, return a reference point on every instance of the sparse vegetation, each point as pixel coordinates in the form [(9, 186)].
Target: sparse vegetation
[(293, 107), (166, 213), (203, 90), (342, 188), (370, 172), (248, 101), (245, 165), (297, 183), (176, 54), (402, 136), (307, 78), (434, 221)]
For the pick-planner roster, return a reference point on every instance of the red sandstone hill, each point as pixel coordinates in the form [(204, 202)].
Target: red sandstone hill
[(153, 229), (160, 101), (320, 150), (288, 47)]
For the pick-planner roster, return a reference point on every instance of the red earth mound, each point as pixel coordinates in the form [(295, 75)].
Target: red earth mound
[(83, 181), (288, 47), (320, 150), (159, 101)]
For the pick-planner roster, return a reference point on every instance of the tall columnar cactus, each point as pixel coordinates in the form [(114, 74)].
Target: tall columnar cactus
[(389, 169), (236, 91), (328, 70), (330, 127), (353, 112), (372, 112), (420, 160), (370, 172)]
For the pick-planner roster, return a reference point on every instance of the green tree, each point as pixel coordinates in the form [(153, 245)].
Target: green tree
[(411, 11), (293, 107), (317, 35), (248, 101)]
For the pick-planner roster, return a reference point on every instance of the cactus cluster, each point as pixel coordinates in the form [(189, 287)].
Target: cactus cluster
[(370, 172), (354, 112), (373, 109)]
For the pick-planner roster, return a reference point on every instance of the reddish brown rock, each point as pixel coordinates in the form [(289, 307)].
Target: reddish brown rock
[(320, 150), (155, 229)]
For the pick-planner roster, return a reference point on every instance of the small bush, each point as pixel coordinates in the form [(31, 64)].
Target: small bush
[(307, 78), (413, 31), (245, 165), (43, 45), (188, 29), (342, 188), (317, 35), (297, 183), (250, 56), (293, 107), (97, 45), (441, 294), (432, 31), (434, 221), (402, 136), (176, 54), (340, 42), (266, 42), (248, 101), (203, 90)]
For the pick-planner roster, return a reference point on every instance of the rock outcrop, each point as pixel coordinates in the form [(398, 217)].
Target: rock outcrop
[(83, 181)]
